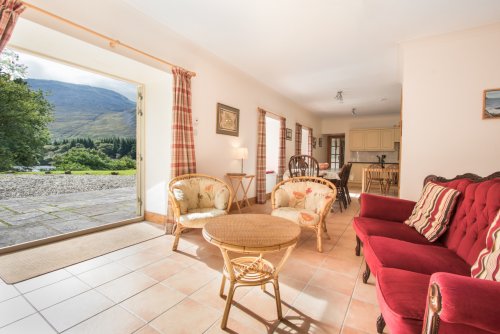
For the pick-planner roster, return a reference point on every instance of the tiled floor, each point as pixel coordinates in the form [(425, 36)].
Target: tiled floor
[(149, 289)]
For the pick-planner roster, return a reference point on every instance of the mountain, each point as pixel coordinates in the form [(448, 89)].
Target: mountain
[(87, 111)]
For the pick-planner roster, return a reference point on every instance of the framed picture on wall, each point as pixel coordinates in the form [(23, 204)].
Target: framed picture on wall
[(228, 120), (320, 142), (314, 142), (491, 103), (288, 134)]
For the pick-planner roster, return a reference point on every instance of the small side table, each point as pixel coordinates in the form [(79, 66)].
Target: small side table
[(253, 235), (238, 180)]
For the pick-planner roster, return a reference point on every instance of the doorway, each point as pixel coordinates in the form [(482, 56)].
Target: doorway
[(336, 150)]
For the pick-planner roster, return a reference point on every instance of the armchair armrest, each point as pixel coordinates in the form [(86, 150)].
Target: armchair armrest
[(462, 300), (385, 208)]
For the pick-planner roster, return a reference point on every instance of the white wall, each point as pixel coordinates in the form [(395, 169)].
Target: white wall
[(216, 81), (339, 125), (443, 82)]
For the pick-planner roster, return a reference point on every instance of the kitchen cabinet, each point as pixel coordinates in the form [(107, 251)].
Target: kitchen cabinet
[(371, 139), (387, 139), (397, 134), (357, 140)]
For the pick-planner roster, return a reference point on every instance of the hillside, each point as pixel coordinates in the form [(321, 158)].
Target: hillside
[(86, 111)]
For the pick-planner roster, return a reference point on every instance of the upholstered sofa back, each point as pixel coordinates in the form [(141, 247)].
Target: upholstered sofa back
[(476, 208), (199, 193)]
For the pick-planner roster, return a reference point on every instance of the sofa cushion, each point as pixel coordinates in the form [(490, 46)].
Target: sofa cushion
[(476, 209), (487, 265), (432, 213), (366, 227), (192, 217), (299, 216), (425, 259), (402, 297)]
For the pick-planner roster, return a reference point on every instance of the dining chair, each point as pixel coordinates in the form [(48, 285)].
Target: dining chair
[(375, 176), (393, 177), (303, 165)]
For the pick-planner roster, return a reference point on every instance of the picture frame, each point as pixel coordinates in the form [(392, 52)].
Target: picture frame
[(288, 134), (314, 142), (491, 103), (320, 142), (227, 120)]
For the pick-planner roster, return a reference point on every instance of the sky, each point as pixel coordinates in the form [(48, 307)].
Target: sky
[(41, 68)]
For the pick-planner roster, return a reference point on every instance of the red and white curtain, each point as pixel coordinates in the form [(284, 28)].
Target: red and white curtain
[(282, 150), (183, 155), (298, 138), (261, 158), (310, 142), (10, 10)]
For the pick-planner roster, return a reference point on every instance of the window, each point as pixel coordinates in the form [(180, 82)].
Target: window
[(336, 149), (304, 145), (272, 144)]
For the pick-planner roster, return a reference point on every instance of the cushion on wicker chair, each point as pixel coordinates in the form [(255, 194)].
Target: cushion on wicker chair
[(192, 216), (300, 216)]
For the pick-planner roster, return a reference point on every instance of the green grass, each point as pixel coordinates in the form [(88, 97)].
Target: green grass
[(81, 172)]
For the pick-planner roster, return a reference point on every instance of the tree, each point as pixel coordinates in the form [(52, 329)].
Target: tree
[(80, 158), (24, 116), (9, 65)]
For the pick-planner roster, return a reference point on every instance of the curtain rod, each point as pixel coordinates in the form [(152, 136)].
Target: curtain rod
[(112, 42), (268, 112)]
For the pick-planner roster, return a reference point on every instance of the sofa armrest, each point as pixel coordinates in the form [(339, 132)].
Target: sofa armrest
[(385, 208), (462, 300)]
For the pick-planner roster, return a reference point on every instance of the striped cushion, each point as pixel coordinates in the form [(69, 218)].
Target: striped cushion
[(487, 265), (431, 214)]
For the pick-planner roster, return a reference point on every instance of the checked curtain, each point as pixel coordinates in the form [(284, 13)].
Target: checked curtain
[(183, 155), (10, 10)]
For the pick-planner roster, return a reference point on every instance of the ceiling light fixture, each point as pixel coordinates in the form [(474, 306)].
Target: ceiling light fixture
[(339, 96), (353, 111)]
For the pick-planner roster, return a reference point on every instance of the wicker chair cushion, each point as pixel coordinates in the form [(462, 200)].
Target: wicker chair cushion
[(194, 217), (299, 216), (304, 195), (199, 193)]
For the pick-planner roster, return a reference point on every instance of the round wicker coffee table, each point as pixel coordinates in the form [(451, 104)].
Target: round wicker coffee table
[(252, 235)]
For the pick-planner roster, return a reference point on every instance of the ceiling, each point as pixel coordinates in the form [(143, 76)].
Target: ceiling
[(307, 50)]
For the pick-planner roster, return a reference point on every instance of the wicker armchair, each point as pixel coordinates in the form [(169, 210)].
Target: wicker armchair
[(305, 200), (197, 196)]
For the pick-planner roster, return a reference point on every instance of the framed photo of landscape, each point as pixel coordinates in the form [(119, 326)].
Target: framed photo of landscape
[(228, 120), (491, 103)]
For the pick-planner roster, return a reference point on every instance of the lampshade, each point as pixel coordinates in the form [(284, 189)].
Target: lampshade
[(241, 153)]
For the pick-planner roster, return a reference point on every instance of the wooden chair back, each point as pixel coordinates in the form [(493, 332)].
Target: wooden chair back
[(303, 165)]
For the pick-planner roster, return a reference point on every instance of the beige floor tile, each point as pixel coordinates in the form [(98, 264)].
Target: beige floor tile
[(32, 324), (115, 320), (362, 316), (187, 317), (141, 259), (347, 267), (350, 330), (188, 280), (163, 269), (7, 291), (126, 286), (14, 309), (309, 257), (365, 292), (298, 324), (43, 280), (57, 292), (209, 294), (152, 302), (84, 266), (333, 281), (104, 274), (75, 310), (325, 307), (147, 330), (298, 270)]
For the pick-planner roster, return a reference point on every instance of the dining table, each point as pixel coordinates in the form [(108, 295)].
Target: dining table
[(329, 174), (388, 175)]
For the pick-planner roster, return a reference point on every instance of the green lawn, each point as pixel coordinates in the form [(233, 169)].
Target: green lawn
[(82, 172)]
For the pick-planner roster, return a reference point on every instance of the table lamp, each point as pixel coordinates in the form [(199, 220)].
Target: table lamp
[(241, 153)]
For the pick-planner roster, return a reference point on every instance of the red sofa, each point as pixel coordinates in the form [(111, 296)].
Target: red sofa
[(423, 286)]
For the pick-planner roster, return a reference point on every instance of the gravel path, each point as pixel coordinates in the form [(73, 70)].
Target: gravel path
[(19, 186)]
